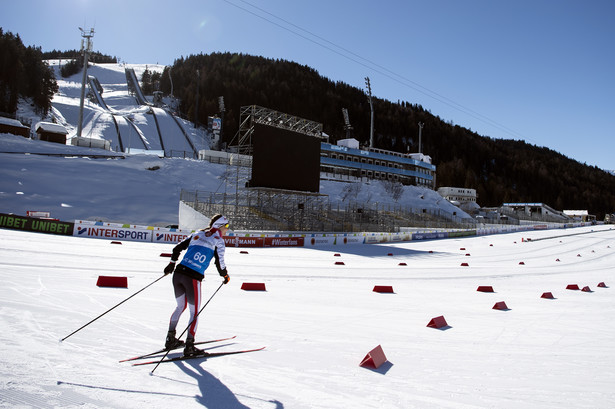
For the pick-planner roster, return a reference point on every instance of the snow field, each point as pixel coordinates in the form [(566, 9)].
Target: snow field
[(318, 320)]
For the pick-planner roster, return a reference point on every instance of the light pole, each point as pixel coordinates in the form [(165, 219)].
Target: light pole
[(222, 111), (86, 47), (196, 115)]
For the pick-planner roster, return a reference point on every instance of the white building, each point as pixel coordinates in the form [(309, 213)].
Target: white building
[(463, 197)]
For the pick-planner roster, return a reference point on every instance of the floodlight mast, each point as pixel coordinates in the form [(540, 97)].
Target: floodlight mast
[(371, 108), (86, 47)]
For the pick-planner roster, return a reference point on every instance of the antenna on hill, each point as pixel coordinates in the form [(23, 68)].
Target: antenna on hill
[(420, 136), (347, 126), (371, 108), (86, 47)]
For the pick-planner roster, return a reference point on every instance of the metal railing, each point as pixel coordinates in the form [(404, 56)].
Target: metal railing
[(279, 210)]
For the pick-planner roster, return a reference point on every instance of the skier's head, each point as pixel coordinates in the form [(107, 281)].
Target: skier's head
[(218, 221)]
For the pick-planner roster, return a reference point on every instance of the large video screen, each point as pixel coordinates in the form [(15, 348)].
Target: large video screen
[(285, 159)]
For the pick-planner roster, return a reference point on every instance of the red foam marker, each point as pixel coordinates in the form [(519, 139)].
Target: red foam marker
[(374, 358), (437, 322), (501, 305), (109, 281), (485, 289), (253, 287), (383, 289)]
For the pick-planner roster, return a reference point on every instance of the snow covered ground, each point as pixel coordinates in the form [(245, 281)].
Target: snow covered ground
[(318, 320), (140, 189)]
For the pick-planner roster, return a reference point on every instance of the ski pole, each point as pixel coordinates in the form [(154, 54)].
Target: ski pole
[(184, 331), (79, 329)]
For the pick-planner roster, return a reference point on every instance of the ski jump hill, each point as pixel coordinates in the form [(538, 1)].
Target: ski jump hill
[(117, 110)]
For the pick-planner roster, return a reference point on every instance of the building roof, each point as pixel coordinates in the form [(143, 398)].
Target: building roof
[(11, 122), (51, 128), (576, 212)]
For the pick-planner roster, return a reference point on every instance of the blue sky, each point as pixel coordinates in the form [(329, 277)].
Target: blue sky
[(540, 71)]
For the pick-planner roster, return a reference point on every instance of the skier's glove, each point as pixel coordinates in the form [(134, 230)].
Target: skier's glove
[(224, 274), (169, 269)]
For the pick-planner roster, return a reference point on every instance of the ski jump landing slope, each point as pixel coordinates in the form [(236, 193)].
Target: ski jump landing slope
[(140, 126)]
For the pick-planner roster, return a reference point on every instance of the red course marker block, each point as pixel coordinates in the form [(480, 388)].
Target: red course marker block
[(253, 287), (116, 242), (602, 285), (402, 264), (390, 254), (383, 289), (166, 254), (108, 281), (337, 255), (465, 265), (485, 289), (572, 287), (374, 358), (521, 263), (547, 295), (586, 289), (243, 252), (339, 263), (501, 305), (437, 322)]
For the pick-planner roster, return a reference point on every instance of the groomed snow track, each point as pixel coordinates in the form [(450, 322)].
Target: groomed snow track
[(141, 134)]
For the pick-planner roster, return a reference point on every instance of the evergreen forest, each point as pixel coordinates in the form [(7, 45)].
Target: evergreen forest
[(24, 74)]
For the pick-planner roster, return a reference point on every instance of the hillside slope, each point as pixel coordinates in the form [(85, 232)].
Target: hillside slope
[(499, 170)]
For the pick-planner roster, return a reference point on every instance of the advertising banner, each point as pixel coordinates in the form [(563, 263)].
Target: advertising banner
[(236, 241), (429, 235), (112, 232), (11, 221), (171, 237), (319, 240), (349, 239), (283, 242)]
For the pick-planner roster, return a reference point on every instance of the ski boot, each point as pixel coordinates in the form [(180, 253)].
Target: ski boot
[(172, 342), (191, 350)]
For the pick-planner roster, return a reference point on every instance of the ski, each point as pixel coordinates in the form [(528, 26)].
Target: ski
[(203, 356), (165, 350)]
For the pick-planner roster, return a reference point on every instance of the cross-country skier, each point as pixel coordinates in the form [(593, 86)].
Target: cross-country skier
[(201, 247)]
